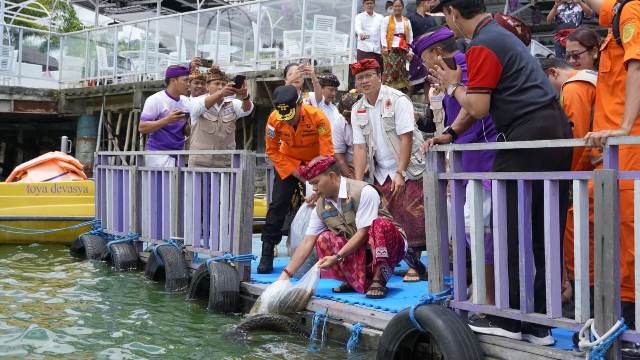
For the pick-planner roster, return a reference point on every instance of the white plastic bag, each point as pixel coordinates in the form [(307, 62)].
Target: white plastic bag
[(299, 226), (282, 297)]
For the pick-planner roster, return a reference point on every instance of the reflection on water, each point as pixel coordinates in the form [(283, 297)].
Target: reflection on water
[(54, 307)]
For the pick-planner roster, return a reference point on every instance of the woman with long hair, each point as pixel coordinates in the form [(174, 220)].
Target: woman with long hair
[(396, 36), (583, 49)]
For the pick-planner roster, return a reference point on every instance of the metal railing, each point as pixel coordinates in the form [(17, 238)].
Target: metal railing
[(251, 36), (209, 209), (444, 183)]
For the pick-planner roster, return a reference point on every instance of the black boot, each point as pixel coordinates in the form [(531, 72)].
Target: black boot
[(266, 260)]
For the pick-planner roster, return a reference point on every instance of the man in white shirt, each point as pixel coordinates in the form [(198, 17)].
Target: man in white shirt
[(213, 119), (355, 237), (386, 139), (367, 26), (325, 88)]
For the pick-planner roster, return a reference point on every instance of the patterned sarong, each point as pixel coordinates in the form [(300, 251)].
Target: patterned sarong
[(407, 209), (386, 245), (395, 69)]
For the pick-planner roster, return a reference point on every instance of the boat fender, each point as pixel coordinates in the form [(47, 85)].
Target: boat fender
[(88, 246), (454, 339), (224, 288), (124, 256), (199, 286), (167, 262)]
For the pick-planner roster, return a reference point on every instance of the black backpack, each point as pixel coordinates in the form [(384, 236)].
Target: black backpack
[(615, 26)]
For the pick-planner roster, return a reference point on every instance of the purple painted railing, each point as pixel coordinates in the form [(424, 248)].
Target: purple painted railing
[(210, 210), (444, 219)]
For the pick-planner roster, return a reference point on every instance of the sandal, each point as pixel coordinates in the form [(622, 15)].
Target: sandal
[(382, 288), (413, 275), (343, 288)]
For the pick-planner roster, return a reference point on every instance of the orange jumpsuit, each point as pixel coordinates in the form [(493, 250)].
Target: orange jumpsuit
[(288, 147), (577, 99), (610, 99)]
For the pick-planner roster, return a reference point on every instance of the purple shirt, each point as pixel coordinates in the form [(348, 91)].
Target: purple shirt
[(158, 106), (482, 129)]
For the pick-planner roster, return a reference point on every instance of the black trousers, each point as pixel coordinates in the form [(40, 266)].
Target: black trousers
[(549, 122), (280, 206)]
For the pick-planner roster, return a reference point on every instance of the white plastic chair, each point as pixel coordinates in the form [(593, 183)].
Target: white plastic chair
[(104, 70), (323, 46), (292, 44), (7, 62)]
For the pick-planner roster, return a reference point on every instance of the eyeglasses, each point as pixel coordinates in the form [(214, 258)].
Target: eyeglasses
[(575, 55), (365, 76)]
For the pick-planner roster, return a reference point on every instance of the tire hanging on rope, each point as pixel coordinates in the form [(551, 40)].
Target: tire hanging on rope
[(88, 246)]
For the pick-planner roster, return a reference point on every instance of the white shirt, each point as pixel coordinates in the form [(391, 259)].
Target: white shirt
[(398, 30), (385, 158), (342, 135), (198, 108), (369, 25), (366, 213), (341, 144)]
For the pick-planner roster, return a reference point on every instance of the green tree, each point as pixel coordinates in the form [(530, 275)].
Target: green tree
[(62, 13)]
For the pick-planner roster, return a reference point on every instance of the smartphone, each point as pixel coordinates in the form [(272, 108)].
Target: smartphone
[(306, 61), (451, 63), (206, 63), (238, 81), (186, 114)]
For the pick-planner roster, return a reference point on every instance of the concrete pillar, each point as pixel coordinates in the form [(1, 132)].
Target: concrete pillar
[(86, 135)]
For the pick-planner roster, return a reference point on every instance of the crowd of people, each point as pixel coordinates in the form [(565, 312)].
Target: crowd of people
[(365, 157)]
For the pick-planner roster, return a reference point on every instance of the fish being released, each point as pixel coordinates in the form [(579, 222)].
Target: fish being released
[(284, 297)]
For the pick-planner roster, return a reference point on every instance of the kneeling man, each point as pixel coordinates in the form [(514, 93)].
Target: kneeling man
[(355, 236)]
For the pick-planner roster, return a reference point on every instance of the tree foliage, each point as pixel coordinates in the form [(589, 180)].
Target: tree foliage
[(63, 14)]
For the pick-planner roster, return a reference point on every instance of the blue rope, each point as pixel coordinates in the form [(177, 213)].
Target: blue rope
[(317, 318), (355, 336), (122, 239), (28, 231), (230, 258), (425, 300), (599, 351), (154, 249)]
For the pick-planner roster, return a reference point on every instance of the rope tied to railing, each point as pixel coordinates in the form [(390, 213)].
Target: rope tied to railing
[(227, 257), (155, 247), (352, 344), (29, 231), (426, 299), (600, 345), (122, 239)]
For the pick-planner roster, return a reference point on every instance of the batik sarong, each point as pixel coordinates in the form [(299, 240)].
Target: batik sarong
[(395, 69), (407, 208), (386, 247)]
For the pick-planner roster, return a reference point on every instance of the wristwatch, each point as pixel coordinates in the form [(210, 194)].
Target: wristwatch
[(339, 258), (452, 88), (402, 172), (246, 97), (448, 130)]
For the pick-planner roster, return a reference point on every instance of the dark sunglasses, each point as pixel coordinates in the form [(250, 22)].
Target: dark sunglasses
[(575, 55)]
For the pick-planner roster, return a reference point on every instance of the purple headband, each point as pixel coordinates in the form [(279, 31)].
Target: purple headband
[(176, 71), (424, 42)]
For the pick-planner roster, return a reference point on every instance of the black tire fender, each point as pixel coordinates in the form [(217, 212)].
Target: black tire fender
[(271, 322), (124, 256), (199, 285), (88, 246), (443, 327), (224, 288), (167, 262)]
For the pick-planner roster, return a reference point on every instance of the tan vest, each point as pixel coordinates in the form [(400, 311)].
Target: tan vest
[(344, 223), (215, 130), (389, 97)]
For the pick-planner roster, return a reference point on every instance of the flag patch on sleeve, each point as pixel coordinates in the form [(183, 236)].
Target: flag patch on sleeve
[(271, 131)]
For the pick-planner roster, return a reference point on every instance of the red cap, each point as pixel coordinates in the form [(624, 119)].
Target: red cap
[(316, 168), (364, 64)]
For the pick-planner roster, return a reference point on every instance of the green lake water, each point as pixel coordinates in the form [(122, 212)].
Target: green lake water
[(55, 307)]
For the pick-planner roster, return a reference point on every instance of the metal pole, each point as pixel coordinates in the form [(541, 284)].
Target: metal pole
[(96, 5), (256, 34), (217, 34), (115, 53), (179, 44), (352, 36), (304, 17)]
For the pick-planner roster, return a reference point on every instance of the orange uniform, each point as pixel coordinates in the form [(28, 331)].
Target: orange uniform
[(610, 99), (288, 147), (578, 99)]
